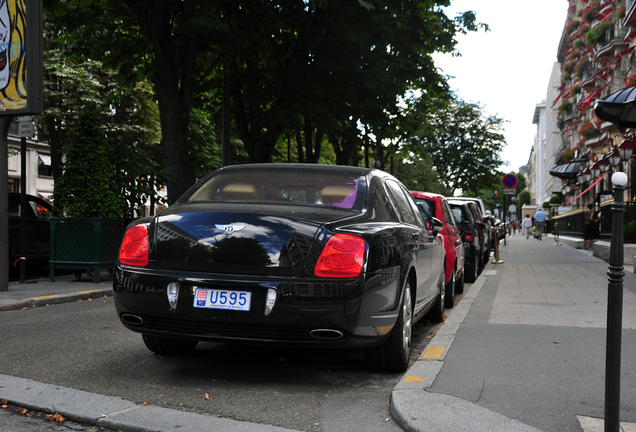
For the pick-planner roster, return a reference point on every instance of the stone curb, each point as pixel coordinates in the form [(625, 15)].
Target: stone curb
[(33, 302), (115, 413)]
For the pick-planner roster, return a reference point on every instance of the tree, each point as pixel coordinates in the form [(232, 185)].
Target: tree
[(319, 68), (167, 41), (128, 119), (88, 186), (417, 174), (524, 199), (464, 145), (67, 86)]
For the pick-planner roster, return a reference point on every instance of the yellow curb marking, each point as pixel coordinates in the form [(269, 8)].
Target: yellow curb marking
[(433, 352), (410, 379), (57, 295)]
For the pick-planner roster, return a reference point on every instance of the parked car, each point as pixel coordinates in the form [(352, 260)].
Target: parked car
[(37, 234), (487, 223), (435, 206), (469, 230), (287, 254)]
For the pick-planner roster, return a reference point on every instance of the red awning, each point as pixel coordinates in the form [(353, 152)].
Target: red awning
[(602, 14), (629, 37), (585, 191), (624, 53), (568, 129)]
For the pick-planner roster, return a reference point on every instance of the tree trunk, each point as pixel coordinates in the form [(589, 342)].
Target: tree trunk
[(173, 77)]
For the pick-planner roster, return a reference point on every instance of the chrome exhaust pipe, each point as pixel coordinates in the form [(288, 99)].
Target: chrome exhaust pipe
[(326, 334), (132, 319)]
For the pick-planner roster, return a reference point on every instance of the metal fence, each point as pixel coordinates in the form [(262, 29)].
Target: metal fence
[(574, 224)]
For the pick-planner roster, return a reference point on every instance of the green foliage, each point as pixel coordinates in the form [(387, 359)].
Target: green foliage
[(597, 33), (523, 199), (419, 175), (203, 143), (555, 199), (128, 118), (546, 205), (463, 143), (317, 70), (88, 187)]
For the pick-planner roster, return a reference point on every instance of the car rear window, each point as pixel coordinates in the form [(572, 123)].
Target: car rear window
[(427, 208), (336, 189)]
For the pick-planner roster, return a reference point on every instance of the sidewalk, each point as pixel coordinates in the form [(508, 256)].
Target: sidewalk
[(524, 350), (40, 292)]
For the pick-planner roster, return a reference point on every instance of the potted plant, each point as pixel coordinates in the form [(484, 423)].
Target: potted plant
[(88, 237)]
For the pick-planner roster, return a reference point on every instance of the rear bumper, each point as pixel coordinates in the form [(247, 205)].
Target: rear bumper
[(343, 313)]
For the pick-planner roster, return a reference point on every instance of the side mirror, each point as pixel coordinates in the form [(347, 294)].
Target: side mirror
[(436, 225)]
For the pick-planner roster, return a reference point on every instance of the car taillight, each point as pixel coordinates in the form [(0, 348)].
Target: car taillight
[(342, 257), (134, 247), (468, 238)]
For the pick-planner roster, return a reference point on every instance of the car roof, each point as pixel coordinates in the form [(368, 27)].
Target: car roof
[(427, 194)]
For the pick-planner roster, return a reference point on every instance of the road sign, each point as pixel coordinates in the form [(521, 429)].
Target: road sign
[(26, 129), (510, 191), (509, 181), (512, 208)]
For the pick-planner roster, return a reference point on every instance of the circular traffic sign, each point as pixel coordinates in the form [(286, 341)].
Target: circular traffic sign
[(509, 181), (512, 208)]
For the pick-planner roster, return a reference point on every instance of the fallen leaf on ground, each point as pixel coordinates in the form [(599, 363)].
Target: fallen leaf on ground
[(207, 396), (20, 411), (145, 403), (56, 418)]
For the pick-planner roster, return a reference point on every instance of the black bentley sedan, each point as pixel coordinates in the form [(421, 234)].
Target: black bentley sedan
[(286, 254)]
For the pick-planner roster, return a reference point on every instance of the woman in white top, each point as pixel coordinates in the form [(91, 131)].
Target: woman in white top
[(527, 225)]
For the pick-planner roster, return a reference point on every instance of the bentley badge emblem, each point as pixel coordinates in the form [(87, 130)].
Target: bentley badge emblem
[(230, 229)]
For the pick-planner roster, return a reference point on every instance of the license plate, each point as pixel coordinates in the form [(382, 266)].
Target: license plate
[(222, 299)]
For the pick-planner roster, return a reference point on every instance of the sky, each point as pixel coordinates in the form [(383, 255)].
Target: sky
[(507, 69)]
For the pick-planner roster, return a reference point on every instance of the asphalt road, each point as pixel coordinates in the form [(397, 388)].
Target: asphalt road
[(82, 345)]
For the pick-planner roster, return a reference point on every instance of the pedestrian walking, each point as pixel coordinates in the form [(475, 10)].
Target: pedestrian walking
[(589, 230), (539, 219), (526, 224), (514, 227)]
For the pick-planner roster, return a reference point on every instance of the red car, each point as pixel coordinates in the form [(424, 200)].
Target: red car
[(435, 206)]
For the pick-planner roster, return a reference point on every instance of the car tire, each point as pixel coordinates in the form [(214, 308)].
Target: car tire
[(459, 284), (486, 258), (436, 314), (450, 291), (168, 346), (393, 354), (473, 272), (480, 264)]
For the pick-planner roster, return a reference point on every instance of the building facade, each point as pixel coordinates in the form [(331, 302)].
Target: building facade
[(39, 179), (595, 59)]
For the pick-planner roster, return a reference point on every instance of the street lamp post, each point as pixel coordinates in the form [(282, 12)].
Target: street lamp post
[(615, 309)]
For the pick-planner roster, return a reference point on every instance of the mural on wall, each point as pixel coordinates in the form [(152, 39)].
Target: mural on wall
[(13, 73)]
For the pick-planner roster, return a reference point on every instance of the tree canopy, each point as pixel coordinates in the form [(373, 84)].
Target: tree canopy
[(316, 70), (463, 144)]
